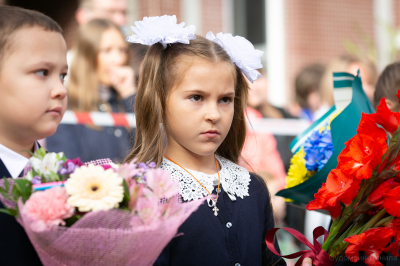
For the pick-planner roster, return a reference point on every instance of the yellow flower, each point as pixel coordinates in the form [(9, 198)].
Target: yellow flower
[(93, 189), (297, 173)]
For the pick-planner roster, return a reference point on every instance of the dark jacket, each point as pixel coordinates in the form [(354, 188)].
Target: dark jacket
[(90, 143), (15, 247), (234, 237)]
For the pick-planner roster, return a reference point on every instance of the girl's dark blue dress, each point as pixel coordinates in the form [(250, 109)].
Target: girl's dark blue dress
[(235, 237)]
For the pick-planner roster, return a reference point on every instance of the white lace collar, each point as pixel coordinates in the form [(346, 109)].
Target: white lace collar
[(234, 180)]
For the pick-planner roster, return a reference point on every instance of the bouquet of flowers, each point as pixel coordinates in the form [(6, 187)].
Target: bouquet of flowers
[(96, 213), (362, 195)]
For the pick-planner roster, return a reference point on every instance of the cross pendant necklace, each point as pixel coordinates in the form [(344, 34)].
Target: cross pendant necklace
[(213, 205)]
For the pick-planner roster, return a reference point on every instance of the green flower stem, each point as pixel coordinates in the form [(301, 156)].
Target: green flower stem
[(374, 220), (349, 230), (384, 221)]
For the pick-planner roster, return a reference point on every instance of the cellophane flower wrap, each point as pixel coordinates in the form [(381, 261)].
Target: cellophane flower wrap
[(363, 193), (96, 213)]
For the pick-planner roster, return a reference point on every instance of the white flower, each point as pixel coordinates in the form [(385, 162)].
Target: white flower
[(241, 52), (93, 189), (162, 29), (48, 165), (114, 166), (29, 176)]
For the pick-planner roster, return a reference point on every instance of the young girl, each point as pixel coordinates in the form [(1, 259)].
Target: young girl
[(190, 120), (100, 80)]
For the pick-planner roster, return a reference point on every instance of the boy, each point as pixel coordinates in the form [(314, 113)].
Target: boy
[(387, 86), (32, 102)]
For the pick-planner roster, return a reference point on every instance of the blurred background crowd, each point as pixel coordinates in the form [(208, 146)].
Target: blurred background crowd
[(304, 41)]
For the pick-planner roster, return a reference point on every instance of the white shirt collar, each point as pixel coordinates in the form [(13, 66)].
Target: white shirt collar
[(14, 162), (235, 180)]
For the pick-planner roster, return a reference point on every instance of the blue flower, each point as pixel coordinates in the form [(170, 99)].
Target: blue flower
[(318, 149)]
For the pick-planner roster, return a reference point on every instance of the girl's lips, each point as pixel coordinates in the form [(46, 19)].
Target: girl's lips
[(211, 134)]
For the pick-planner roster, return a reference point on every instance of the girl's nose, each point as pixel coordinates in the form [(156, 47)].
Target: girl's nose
[(118, 58), (213, 113)]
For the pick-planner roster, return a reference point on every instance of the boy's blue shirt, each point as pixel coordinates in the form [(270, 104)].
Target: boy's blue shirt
[(15, 247)]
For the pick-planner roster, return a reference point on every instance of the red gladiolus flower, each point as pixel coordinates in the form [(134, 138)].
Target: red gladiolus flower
[(394, 247), (339, 187), (343, 186), (320, 202), (386, 118), (362, 154), (398, 95), (373, 242), (376, 197), (391, 201), (367, 123)]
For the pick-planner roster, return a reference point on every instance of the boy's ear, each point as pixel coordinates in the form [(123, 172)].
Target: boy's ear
[(393, 106)]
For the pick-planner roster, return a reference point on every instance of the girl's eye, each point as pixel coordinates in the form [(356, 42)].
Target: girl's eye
[(62, 77), (42, 73), (196, 98), (226, 100)]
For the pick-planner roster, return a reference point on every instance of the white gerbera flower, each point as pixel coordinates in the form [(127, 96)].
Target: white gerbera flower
[(48, 165), (93, 189), (162, 29)]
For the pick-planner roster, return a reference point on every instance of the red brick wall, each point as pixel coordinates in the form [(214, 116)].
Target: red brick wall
[(149, 8), (396, 15), (316, 31), (211, 16)]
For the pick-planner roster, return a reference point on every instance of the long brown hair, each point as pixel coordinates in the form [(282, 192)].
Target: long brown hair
[(163, 69), (83, 84)]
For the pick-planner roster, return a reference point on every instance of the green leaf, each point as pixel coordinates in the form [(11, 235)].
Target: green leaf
[(71, 220), (126, 198), (54, 177), (64, 159), (5, 194), (6, 184), (126, 189), (40, 153), (16, 193), (24, 187), (8, 211)]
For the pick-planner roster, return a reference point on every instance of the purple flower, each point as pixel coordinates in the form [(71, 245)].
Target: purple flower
[(36, 180), (143, 166), (69, 166)]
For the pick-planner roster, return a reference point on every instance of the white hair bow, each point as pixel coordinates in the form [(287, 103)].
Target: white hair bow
[(162, 29), (241, 52)]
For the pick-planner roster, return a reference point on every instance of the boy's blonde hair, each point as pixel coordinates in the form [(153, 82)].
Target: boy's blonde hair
[(162, 70), (14, 18)]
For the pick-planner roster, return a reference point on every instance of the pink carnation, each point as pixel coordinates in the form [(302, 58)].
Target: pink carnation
[(47, 208)]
